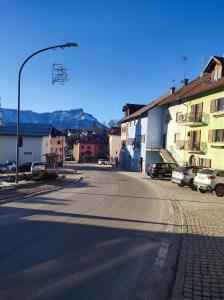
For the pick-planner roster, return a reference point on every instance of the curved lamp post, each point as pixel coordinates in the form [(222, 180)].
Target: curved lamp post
[(18, 109)]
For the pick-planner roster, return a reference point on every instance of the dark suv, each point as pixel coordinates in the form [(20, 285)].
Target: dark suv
[(161, 170)]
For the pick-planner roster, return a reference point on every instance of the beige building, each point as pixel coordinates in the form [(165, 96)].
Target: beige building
[(114, 144), (175, 133)]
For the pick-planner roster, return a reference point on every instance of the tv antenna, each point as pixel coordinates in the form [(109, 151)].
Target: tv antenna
[(184, 60), (59, 74)]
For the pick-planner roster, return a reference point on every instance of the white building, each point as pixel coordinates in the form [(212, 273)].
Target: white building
[(114, 144), (34, 142)]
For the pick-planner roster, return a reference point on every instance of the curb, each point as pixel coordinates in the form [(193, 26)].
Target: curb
[(3, 201)]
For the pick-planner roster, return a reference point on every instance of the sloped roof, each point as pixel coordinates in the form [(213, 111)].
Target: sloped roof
[(145, 108), (212, 60), (26, 129), (115, 131), (198, 86)]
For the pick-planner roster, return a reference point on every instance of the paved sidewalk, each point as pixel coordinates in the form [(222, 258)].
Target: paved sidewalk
[(200, 265)]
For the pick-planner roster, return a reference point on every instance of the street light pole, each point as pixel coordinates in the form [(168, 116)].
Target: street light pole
[(18, 105)]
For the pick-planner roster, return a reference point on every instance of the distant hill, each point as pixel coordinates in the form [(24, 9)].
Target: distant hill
[(74, 118)]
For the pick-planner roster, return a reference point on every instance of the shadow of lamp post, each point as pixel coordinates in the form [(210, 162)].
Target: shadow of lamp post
[(18, 109)]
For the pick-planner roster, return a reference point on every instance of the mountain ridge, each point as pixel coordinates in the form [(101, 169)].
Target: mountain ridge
[(61, 119)]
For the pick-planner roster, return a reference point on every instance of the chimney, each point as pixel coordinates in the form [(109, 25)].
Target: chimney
[(185, 81), (172, 90)]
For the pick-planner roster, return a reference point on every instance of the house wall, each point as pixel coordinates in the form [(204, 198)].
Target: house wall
[(215, 154), (114, 146), (32, 149), (57, 146), (76, 152), (171, 128), (124, 128), (155, 127), (136, 150), (154, 137)]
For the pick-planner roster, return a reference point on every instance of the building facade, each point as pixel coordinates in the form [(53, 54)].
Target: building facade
[(90, 147), (36, 141), (114, 144)]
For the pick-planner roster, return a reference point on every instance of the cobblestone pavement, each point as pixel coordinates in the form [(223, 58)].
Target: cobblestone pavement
[(200, 265)]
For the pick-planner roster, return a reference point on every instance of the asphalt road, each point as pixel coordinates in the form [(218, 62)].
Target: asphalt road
[(106, 237)]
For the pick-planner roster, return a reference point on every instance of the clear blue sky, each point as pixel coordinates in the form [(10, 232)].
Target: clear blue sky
[(129, 50)]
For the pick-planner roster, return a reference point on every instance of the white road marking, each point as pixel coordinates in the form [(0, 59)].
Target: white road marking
[(162, 254)]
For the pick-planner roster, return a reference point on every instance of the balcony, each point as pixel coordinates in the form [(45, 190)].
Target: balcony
[(193, 147), (192, 119)]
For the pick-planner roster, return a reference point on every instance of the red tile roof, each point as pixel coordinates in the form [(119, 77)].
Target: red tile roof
[(144, 109)]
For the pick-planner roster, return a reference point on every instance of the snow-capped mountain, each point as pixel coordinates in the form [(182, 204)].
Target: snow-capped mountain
[(74, 118)]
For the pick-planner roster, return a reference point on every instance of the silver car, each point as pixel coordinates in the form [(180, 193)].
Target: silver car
[(210, 180), (184, 176), (37, 166)]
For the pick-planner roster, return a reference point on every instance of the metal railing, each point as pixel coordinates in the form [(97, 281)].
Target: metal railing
[(192, 146), (193, 118)]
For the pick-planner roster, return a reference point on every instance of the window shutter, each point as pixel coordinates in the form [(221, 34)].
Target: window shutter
[(213, 106), (210, 136), (221, 135), (208, 163)]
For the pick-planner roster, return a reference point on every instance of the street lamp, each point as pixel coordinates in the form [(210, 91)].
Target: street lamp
[(18, 107)]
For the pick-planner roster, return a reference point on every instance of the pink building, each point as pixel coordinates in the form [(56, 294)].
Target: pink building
[(90, 147)]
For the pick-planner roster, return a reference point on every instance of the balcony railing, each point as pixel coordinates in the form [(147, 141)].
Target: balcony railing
[(193, 119), (191, 146)]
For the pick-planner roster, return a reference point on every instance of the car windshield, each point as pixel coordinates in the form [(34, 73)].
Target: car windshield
[(206, 171)]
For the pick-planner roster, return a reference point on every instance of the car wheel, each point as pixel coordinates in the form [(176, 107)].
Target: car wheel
[(202, 191), (180, 184), (219, 190), (160, 176), (192, 186)]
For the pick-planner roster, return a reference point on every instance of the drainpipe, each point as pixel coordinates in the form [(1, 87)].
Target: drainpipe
[(185, 126)]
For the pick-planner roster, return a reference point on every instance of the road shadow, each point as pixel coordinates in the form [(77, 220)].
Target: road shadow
[(52, 255)]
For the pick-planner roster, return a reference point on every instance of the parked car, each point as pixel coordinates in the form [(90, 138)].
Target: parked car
[(102, 161), (184, 176), (161, 170), (26, 167), (2, 168), (11, 166), (209, 179), (37, 166)]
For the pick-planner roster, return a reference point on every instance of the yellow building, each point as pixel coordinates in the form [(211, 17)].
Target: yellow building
[(204, 120)]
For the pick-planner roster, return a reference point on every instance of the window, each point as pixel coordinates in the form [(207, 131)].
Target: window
[(218, 135), (220, 104), (178, 116), (204, 162), (82, 147), (217, 74), (176, 137), (58, 142), (20, 141)]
